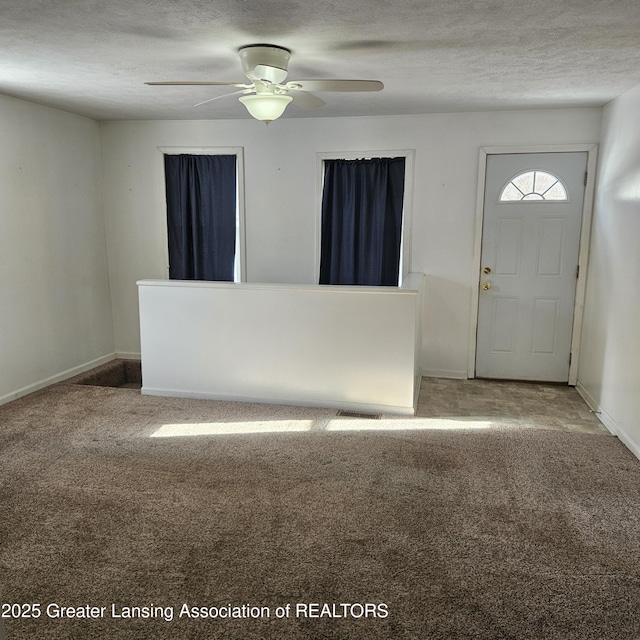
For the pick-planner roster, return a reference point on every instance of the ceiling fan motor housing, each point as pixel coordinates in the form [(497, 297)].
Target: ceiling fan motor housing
[(267, 63)]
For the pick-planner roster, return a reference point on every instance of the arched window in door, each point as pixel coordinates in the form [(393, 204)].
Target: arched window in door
[(534, 185)]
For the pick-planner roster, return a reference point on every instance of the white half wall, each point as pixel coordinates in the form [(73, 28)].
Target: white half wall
[(318, 345), (55, 305), (609, 373), (282, 202)]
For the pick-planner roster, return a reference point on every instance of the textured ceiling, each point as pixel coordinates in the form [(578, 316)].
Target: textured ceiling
[(92, 57)]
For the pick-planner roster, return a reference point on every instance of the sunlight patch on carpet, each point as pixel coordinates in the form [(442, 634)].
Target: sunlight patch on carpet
[(226, 428), (408, 424), (333, 424)]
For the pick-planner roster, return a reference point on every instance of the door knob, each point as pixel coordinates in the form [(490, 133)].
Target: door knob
[(485, 286)]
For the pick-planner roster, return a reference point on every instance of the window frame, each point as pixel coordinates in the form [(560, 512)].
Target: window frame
[(240, 271), (407, 200)]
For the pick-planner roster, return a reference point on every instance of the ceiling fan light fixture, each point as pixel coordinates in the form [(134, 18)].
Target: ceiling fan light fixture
[(267, 74), (266, 107), (266, 94)]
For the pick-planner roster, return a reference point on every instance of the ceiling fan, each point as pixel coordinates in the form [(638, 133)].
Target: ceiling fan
[(267, 95)]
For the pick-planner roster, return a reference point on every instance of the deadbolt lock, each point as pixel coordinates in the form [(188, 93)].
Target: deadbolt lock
[(485, 286), (486, 270)]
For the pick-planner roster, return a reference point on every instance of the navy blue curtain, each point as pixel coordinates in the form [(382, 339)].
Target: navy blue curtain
[(362, 221), (201, 216)]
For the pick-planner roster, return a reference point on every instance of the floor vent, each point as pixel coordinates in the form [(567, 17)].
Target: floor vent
[(356, 414)]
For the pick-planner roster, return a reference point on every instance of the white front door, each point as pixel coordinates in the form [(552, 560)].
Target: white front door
[(529, 260)]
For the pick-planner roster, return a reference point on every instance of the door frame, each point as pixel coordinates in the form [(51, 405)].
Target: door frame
[(583, 255)]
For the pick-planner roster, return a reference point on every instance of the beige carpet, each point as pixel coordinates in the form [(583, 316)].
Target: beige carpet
[(407, 528)]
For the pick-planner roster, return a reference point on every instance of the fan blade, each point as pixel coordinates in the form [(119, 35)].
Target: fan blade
[(198, 83), (226, 95), (336, 85), (307, 100)]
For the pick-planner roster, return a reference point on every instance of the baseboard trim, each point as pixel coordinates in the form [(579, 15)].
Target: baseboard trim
[(445, 373), (608, 421), (628, 442), (361, 407), (416, 392), (59, 377), (598, 411), (128, 355)]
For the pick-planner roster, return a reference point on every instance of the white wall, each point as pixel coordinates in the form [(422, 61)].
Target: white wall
[(347, 347), (282, 202), (609, 375), (55, 307)]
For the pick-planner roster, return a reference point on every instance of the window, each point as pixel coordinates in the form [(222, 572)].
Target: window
[(204, 214), (363, 219), (534, 185)]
